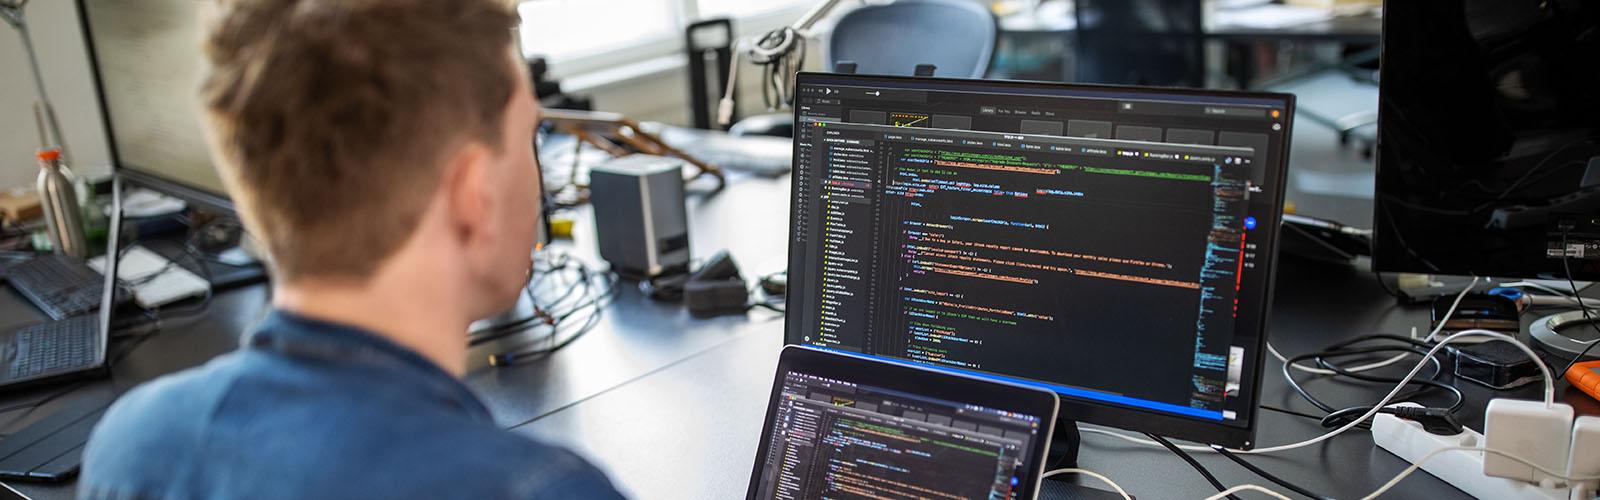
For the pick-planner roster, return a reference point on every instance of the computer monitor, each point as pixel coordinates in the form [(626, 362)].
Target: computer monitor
[(1489, 139), (1113, 244), (145, 57)]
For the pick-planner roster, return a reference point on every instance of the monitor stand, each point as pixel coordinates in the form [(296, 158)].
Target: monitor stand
[(1063, 453), (1547, 332), (1063, 446)]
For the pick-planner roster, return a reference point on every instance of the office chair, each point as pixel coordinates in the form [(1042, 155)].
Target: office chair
[(956, 36), (1342, 96), (1140, 42)]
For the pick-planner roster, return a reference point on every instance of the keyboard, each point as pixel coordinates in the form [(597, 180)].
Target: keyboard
[(11, 259), (54, 346), (60, 286)]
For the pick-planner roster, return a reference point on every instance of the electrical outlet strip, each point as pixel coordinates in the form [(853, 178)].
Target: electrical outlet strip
[(1461, 468)]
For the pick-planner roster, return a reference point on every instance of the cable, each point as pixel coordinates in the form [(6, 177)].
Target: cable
[(1192, 462), (1248, 487), (1549, 387), (30, 406), (1267, 475), (1418, 465), (1380, 364), (570, 316), (1549, 397), (1567, 266), (1287, 411), (1137, 440), (1452, 311), (1337, 417), (1092, 474)]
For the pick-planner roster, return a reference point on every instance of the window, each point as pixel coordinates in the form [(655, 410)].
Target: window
[(562, 30), (741, 8), (579, 36)]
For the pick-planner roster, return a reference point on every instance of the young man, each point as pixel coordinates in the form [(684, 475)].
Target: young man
[(382, 151)]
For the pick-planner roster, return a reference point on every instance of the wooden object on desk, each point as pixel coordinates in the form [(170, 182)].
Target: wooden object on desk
[(20, 205), (619, 135)]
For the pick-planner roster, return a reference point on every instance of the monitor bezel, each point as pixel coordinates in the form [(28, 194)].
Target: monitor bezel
[(914, 379), (1222, 432), (134, 174)]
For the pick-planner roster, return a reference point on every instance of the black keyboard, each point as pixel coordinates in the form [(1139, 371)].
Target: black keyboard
[(54, 346), (60, 286), (11, 259)]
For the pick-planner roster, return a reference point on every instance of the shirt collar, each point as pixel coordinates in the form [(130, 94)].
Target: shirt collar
[(297, 336)]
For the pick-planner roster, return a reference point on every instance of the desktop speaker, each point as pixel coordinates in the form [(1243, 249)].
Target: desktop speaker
[(639, 215)]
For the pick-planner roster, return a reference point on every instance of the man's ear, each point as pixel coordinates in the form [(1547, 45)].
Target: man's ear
[(466, 187)]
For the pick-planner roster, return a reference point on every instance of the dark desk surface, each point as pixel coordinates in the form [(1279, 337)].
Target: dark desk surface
[(672, 406)]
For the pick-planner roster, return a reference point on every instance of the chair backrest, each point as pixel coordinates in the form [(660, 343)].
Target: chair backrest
[(1140, 42), (957, 36)]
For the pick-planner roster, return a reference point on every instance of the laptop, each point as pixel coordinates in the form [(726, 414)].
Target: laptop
[(840, 425), (67, 348)]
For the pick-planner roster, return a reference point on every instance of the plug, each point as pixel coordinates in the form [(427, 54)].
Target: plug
[(1437, 421), (725, 111), (1528, 429)]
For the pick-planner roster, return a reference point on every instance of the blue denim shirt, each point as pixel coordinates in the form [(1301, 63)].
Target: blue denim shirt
[(309, 409)]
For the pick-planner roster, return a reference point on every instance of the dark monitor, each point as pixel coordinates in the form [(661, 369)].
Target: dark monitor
[(1489, 139), (1112, 244), (145, 58)]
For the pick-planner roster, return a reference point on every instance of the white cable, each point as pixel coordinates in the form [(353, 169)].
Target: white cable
[(1092, 474), (1452, 311), (1418, 465), (1380, 364), (1251, 487), (725, 108), (1323, 371)]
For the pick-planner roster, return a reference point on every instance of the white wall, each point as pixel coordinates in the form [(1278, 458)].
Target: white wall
[(65, 63), (657, 95)]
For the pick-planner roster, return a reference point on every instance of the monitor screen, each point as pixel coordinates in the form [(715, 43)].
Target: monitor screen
[(848, 427), (146, 57), (1489, 139), (1113, 244)]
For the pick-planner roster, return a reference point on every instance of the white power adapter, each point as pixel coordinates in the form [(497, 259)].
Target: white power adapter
[(1528, 429), (1584, 460)]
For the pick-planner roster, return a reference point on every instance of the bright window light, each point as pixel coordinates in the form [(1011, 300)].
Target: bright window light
[(565, 29), (741, 8)]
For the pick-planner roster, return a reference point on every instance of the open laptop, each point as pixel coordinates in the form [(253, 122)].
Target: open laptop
[(66, 348), (841, 425)]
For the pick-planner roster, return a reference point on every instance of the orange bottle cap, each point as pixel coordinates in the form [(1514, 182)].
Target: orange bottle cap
[(49, 155)]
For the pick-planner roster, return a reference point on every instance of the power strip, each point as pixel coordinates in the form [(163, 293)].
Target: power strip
[(1461, 468)]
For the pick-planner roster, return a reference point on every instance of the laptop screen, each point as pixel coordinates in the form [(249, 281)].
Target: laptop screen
[(838, 429)]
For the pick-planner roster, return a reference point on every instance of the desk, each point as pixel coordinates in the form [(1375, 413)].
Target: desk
[(672, 406), (1362, 29)]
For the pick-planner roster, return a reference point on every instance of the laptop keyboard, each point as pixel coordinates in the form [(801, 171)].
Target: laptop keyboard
[(60, 286), (54, 346)]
